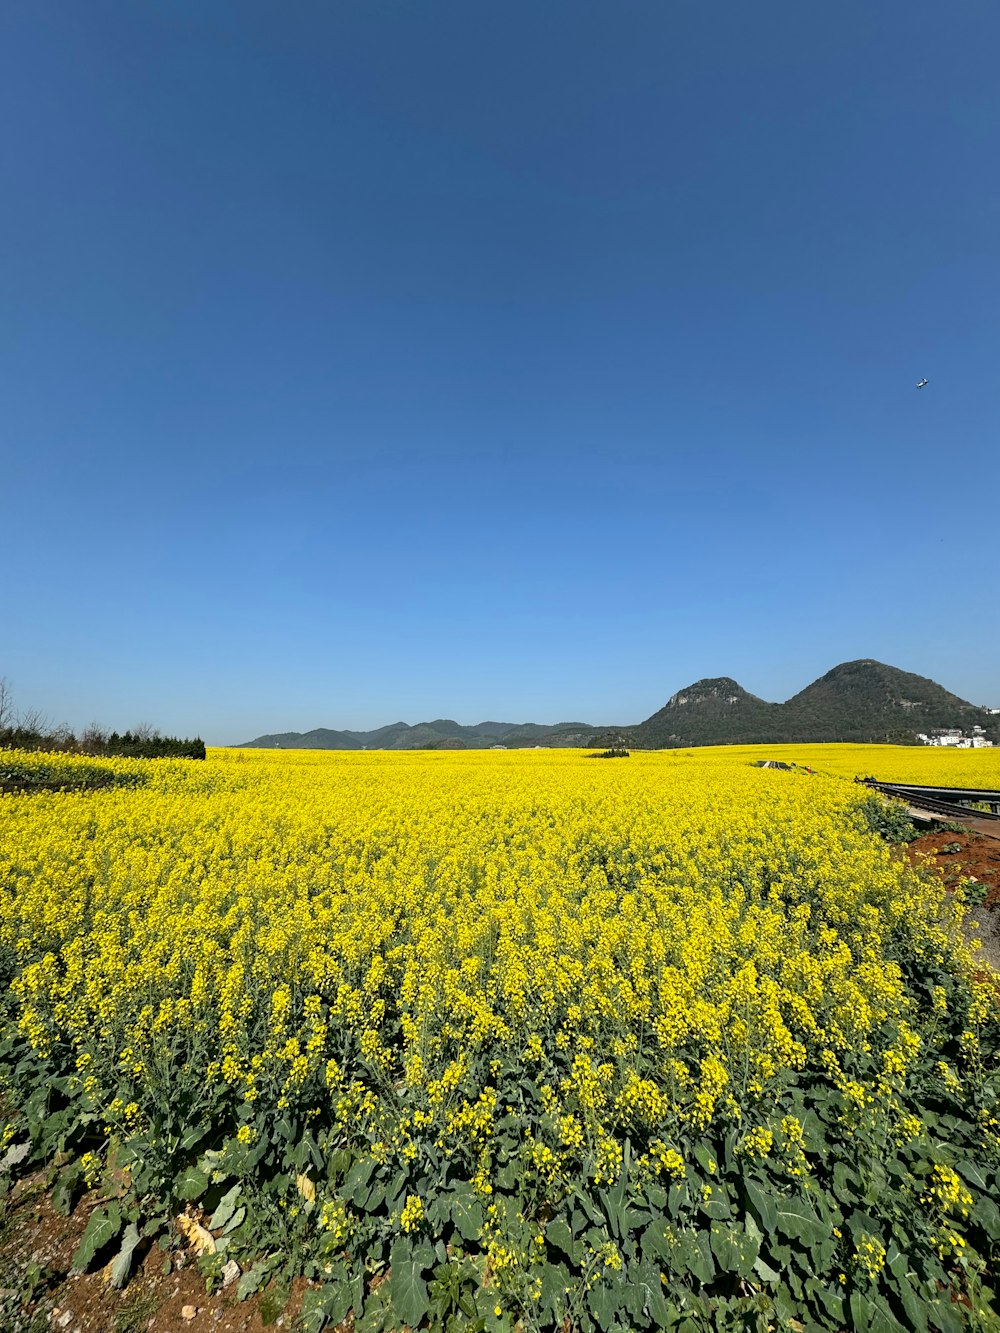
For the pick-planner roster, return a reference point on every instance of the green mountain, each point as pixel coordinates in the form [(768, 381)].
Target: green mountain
[(869, 701), (863, 701), (716, 711), (441, 734)]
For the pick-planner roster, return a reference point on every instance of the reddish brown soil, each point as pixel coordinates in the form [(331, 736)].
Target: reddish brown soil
[(972, 855), (968, 855), (162, 1285)]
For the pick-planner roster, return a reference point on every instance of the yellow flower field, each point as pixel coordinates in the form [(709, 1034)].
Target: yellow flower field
[(922, 765), (491, 976)]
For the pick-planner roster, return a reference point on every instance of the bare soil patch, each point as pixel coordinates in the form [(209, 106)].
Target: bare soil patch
[(38, 1292), (967, 855)]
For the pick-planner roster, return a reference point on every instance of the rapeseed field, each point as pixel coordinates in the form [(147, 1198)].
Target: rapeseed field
[(667, 1041)]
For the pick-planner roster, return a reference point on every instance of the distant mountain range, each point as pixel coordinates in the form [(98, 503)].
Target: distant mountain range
[(442, 734), (863, 701)]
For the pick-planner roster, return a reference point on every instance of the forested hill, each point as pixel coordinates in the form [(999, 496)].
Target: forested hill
[(442, 734), (863, 701)]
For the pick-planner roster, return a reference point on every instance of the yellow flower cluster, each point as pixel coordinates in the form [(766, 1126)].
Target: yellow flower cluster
[(945, 1192), (662, 941), (869, 1256), (412, 1214)]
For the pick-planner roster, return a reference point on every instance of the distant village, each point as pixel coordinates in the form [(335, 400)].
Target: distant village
[(956, 739)]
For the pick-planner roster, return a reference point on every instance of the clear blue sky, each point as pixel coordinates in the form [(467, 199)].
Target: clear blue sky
[(366, 360)]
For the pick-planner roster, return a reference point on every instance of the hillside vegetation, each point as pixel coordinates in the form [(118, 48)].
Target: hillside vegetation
[(859, 701)]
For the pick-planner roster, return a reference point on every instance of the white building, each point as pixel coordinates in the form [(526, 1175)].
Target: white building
[(955, 740)]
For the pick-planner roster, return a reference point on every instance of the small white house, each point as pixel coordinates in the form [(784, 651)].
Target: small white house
[(955, 740)]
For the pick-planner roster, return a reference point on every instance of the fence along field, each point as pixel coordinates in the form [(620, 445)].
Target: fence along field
[(493, 1039)]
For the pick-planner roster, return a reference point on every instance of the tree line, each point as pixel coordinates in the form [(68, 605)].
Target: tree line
[(32, 731)]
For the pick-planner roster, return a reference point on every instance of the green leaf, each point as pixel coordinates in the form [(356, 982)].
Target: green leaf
[(313, 1318), (654, 1243), (273, 1303), (694, 1254), (310, 1149), (656, 1196), (860, 1311), (781, 1254), (336, 1298), (604, 1301), (356, 1184), (406, 1286), (338, 1163), (813, 1133), (467, 1213), (226, 1208), (66, 1186), (14, 1156), (491, 1321), (375, 1197), (647, 1278), (915, 1307), (717, 1205), (252, 1281), (191, 1184), (426, 1255), (507, 1176), (377, 1315), (233, 1223), (796, 1220), (395, 1192), (871, 1315), (121, 1265), (986, 1214), (557, 1233), (734, 1250), (764, 1205), (764, 1271), (784, 1303), (822, 1252), (827, 1299), (884, 1321), (947, 1315), (845, 1183), (876, 1183), (676, 1198), (555, 1280), (633, 1299), (103, 1226), (973, 1173), (707, 1159)]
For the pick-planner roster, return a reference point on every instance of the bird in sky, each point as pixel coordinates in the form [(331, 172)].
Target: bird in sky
[(923, 384)]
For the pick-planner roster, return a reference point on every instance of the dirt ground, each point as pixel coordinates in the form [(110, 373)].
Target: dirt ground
[(166, 1294), (972, 856)]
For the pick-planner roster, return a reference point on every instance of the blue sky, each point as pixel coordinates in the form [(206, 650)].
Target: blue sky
[(366, 360)]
